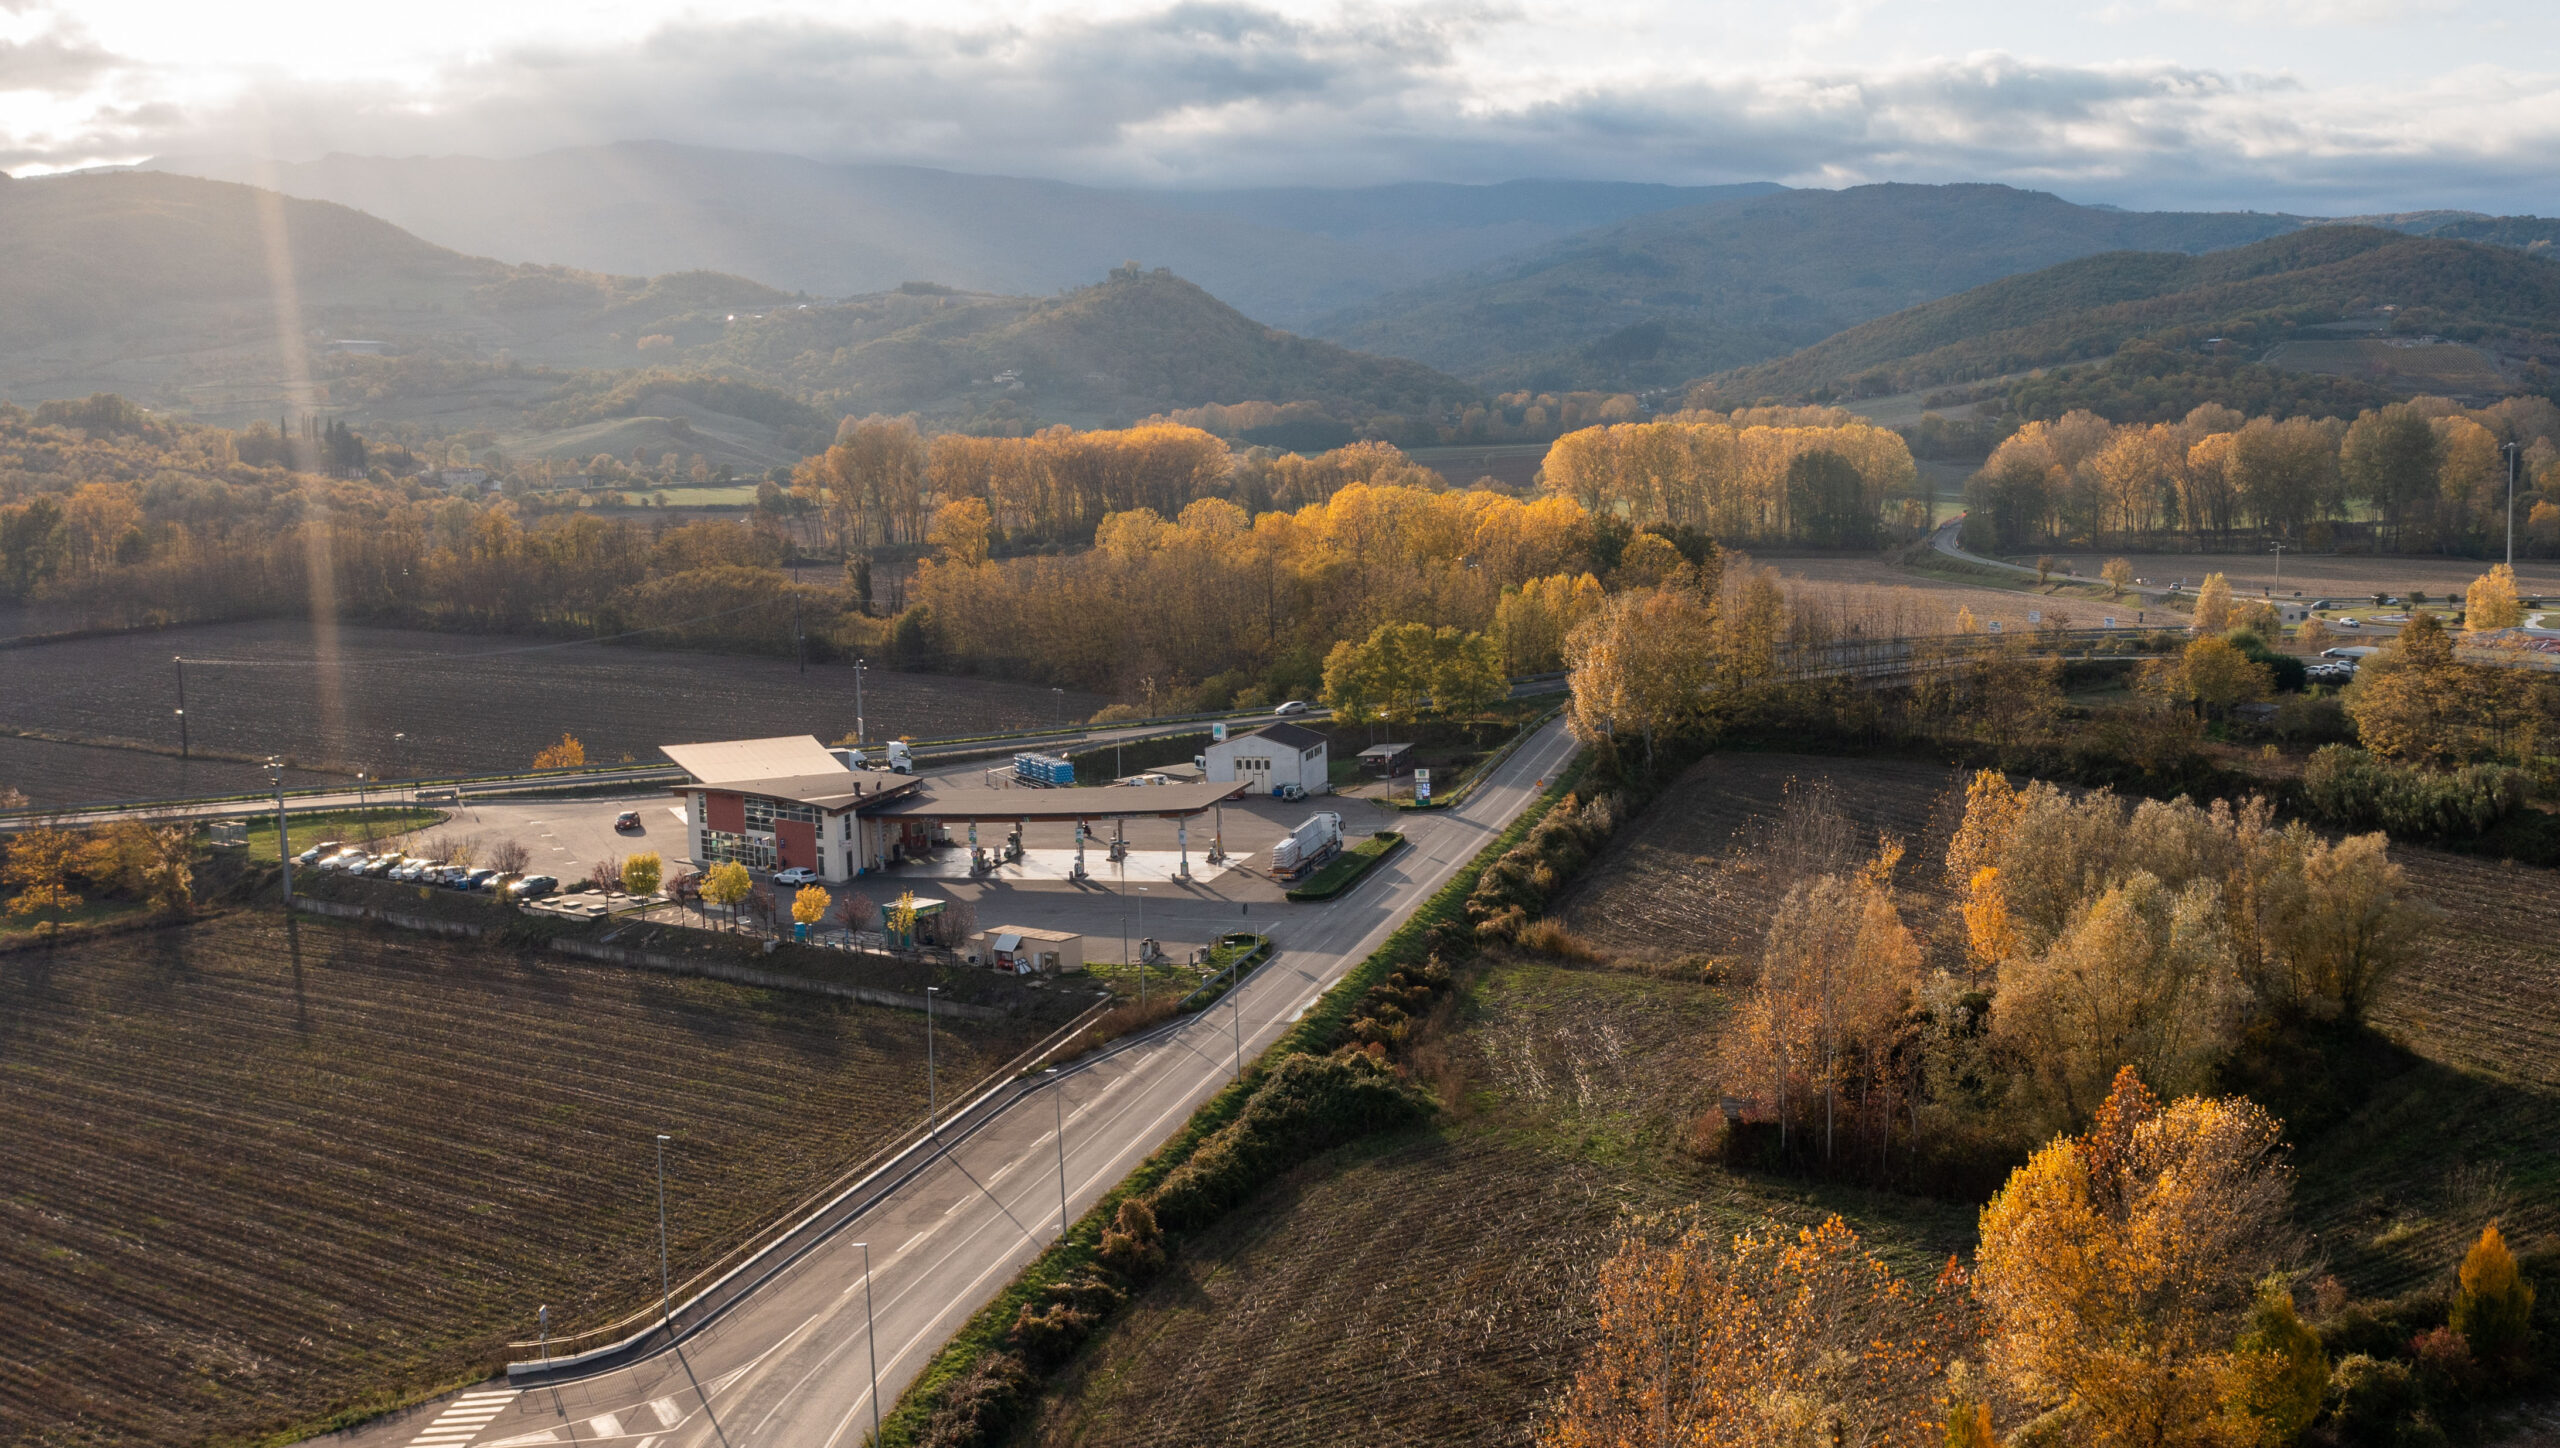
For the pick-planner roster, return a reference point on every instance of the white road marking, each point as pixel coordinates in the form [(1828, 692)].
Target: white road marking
[(668, 1413), (605, 1425), (464, 1419), (911, 1241)]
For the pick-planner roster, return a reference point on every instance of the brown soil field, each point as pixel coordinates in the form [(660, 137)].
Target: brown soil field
[(1873, 589), (261, 1175), (1433, 1287), (467, 703), (2346, 577)]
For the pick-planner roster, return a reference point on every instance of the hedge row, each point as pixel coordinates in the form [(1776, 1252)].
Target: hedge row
[(2352, 789), (1297, 1099), (1346, 869)]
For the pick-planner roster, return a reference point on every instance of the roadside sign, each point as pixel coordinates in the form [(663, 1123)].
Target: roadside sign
[(1421, 784), (2111, 620), (1218, 732), (2035, 615), (1995, 625)]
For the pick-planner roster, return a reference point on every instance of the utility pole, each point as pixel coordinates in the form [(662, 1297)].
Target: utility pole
[(182, 690), (2279, 583), (284, 840), (666, 1299), (2511, 451)]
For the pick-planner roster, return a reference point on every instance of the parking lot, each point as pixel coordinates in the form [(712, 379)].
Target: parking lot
[(1139, 896)]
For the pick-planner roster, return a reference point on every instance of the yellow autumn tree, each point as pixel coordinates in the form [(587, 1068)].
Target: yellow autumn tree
[(2213, 605), (809, 906), (2118, 572), (1991, 936), (567, 754), (2491, 602), (964, 532), (1769, 1338), (727, 885), (641, 873), (2117, 1270), (37, 870)]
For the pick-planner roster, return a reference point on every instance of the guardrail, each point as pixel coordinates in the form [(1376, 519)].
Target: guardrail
[(793, 1245)]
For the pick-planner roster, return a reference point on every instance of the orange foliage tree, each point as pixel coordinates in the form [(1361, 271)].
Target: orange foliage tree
[(2117, 1268), (1759, 1339)]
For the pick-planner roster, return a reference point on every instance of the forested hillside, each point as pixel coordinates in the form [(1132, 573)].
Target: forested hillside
[(2243, 300), (1662, 298), (131, 277), (1282, 255), (1136, 343)]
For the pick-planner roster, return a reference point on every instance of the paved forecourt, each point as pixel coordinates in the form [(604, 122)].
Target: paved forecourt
[(792, 1365)]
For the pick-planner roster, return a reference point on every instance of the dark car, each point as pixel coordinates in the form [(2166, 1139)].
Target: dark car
[(627, 820), (532, 887)]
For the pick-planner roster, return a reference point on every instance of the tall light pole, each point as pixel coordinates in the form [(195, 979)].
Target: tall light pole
[(666, 1295), (284, 841), (2279, 583), (932, 1096), (399, 743), (183, 753), (1142, 930), (1235, 1008), (871, 1339), (2511, 451), (858, 666), (1058, 1103)]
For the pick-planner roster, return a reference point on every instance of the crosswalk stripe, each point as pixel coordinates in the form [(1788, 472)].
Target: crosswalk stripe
[(605, 1425), (668, 1413)]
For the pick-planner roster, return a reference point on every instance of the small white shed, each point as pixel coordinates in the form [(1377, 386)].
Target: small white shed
[(1271, 757)]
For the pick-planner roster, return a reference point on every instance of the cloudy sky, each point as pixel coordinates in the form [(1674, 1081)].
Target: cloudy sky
[(2331, 106)]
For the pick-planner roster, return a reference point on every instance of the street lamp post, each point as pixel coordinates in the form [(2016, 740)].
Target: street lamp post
[(1142, 930), (284, 840), (858, 666), (870, 1339), (1058, 1104), (666, 1296), (2511, 451), (932, 1096), (399, 743), (1235, 1008), (183, 753)]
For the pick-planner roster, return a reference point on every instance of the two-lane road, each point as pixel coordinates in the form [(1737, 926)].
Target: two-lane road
[(792, 1364)]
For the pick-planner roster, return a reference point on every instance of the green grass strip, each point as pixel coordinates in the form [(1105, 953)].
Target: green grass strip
[(1319, 1031), (1345, 869)]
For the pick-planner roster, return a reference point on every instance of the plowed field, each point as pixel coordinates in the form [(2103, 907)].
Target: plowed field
[(251, 1182), (1434, 1287), (466, 703)]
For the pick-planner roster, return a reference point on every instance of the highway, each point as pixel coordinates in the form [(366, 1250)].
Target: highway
[(791, 1364)]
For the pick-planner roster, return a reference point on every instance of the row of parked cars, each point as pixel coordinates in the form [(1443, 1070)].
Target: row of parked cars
[(339, 857)]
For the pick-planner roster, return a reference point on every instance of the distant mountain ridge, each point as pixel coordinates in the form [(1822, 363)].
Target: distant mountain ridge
[(1658, 299), (159, 286), (1280, 255), (2089, 307)]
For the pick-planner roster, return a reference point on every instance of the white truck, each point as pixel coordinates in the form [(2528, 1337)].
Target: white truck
[(1312, 843), (893, 757)]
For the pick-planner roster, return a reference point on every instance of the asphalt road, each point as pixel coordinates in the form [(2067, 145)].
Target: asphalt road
[(792, 1365)]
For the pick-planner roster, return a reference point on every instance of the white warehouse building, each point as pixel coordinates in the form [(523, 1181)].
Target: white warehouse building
[(1271, 757)]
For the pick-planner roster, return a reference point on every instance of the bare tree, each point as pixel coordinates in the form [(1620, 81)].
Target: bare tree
[(510, 858), (606, 874)]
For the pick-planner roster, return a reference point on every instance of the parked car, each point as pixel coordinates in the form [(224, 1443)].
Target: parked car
[(345, 860), (627, 820), (319, 852), (1291, 792), (796, 875), (532, 887), (2346, 623), (381, 865), (406, 871), (1292, 706), (476, 879)]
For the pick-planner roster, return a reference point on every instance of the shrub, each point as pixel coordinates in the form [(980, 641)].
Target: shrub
[(2493, 1310), (980, 1404), (2353, 789), (2374, 1403), (1132, 1246), (2279, 1370), (1309, 1104), (2445, 1365)]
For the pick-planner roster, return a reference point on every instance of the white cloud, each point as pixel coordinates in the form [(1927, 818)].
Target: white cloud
[(1224, 92)]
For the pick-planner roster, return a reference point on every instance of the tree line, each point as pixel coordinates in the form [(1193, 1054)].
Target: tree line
[(1804, 475), (2419, 476)]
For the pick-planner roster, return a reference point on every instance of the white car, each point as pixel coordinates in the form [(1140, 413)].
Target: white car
[(1294, 706), (796, 875)]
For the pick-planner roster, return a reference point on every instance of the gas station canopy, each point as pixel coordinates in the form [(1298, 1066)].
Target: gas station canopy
[(939, 800)]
